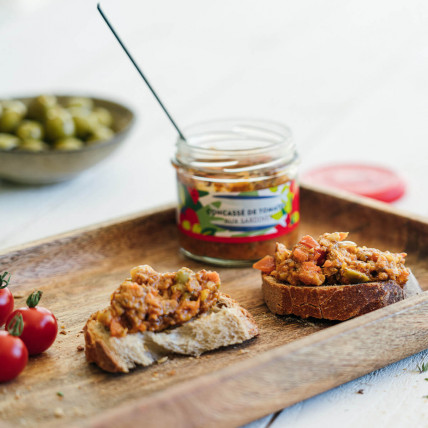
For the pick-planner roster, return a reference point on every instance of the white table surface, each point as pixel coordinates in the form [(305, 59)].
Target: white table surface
[(349, 78)]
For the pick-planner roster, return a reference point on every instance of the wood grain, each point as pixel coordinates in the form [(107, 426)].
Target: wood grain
[(290, 360), (285, 375)]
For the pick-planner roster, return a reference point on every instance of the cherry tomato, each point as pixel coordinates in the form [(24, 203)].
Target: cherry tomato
[(6, 298), (13, 353), (40, 325)]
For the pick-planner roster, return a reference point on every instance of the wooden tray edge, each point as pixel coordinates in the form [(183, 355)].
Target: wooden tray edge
[(289, 372), (377, 205), (368, 202), (90, 228), (191, 387)]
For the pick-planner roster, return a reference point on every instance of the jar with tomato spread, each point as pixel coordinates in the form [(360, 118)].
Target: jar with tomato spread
[(237, 190)]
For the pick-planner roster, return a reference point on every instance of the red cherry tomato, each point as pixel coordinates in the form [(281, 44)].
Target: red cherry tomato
[(6, 298), (13, 353), (40, 325)]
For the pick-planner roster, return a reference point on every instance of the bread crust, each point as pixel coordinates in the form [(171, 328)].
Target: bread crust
[(97, 351), (104, 350), (332, 302)]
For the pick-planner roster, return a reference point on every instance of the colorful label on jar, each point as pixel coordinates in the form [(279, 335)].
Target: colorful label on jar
[(237, 217)]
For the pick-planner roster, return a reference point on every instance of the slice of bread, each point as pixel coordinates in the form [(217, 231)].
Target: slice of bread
[(332, 302), (225, 324)]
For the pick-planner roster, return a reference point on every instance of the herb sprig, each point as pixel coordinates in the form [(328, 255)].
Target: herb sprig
[(422, 368)]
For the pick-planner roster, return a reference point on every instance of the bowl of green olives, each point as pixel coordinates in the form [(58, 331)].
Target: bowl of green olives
[(48, 139)]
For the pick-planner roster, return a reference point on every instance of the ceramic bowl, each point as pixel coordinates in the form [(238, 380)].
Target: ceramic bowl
[(55, 166)]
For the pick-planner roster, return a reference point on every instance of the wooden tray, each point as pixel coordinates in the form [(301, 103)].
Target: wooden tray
[(291, 359)]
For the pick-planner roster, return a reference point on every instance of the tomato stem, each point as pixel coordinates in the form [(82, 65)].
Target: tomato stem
[(4, 280), (34, 298), (16, 325)]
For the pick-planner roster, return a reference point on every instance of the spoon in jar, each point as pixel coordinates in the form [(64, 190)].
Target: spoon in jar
[(140, 72)]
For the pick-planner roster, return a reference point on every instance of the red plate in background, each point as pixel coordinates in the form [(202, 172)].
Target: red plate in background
[(372, 181)]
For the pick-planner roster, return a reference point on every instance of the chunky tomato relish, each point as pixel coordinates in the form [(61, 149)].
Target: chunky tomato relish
[(154, 301), (332, 260)]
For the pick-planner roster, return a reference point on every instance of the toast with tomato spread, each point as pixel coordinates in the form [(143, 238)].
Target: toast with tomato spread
[(331, 278), (153, 315)]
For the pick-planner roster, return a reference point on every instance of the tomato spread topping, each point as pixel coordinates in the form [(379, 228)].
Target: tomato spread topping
[(332, 260), (154, 301)]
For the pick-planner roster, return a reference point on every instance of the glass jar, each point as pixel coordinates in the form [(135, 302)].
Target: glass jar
[(237, 190)]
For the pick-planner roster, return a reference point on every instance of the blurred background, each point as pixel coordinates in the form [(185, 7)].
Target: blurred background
[(349, 78)]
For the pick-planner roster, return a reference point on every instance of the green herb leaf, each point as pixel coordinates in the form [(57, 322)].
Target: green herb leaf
[(60, 394), (422, 368)]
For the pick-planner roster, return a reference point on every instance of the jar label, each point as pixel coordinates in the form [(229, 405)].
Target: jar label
[(237, 217)]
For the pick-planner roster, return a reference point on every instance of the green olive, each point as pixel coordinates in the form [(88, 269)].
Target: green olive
[(81, 102), (183, 275), (32, 145), (15, 105), (178, 288), (30, 129), (59, 124), (13, 113), (67, 144), (8, 141), (103, 116), (85, 121), (40, 105), (9, 120), (354, 276), (101, 133)]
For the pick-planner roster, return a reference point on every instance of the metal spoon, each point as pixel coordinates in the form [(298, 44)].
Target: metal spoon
[(140, 72)]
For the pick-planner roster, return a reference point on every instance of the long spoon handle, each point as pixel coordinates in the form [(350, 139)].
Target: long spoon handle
[(140, 72)]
